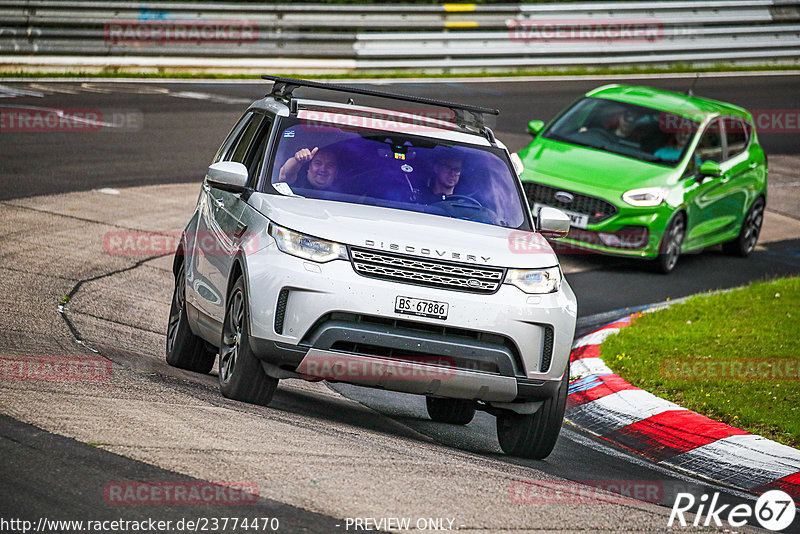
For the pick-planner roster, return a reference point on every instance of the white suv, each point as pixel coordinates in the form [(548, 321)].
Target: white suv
[(381, 248)]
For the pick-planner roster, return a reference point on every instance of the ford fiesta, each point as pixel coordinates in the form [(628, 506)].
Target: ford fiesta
[(379, 248), (649, 173)]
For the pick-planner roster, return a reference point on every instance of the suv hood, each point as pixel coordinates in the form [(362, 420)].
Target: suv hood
[(406, 232)]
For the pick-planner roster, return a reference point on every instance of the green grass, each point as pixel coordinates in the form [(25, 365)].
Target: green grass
[(677, 68), (750, 325)]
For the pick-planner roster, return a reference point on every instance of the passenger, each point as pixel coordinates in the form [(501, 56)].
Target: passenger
[(446, 174), (673, 149), (323, 167)]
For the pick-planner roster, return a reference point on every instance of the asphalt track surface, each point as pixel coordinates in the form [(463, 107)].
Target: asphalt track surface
[(182, 126)]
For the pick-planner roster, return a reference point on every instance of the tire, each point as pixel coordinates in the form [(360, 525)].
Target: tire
[(746, 241), (670, 248), (453, 411), (184, 349), (534, 435), (241, 376)]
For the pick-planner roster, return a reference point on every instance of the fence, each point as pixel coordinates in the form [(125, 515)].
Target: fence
[(345, 38)]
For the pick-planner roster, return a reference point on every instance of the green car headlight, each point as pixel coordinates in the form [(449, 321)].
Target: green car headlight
[(645, 196), (535, 280), (305, 246)]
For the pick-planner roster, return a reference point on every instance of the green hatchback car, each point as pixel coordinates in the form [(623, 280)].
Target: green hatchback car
[(648, 173)]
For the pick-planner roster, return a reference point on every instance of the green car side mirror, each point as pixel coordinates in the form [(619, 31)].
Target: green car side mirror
[(534, 127), (710, 168)]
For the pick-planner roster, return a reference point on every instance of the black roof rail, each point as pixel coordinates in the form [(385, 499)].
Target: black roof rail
[(467, 116)]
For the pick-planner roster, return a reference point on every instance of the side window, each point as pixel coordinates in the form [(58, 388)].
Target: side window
[(737, 133), (239, 151), (255, 157), (232, 136), (710, 146)]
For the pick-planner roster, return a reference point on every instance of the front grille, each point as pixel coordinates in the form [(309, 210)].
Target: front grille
[(423, 272), (596, 208)]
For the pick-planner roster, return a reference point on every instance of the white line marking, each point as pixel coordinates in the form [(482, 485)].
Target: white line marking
[(108, 191), (220, 99), (383, 81)]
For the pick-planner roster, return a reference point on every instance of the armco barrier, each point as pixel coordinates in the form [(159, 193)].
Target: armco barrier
[(306, 37)]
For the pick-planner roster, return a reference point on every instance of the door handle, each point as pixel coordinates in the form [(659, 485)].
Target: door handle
[(206, 188), (218, 202), (753, 165)]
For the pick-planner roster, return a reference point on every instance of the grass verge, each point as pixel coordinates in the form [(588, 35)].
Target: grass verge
[(599, 71), (722, 355)]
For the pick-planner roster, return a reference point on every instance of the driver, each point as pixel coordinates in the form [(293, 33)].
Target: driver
[(322, 169), (446, 173)]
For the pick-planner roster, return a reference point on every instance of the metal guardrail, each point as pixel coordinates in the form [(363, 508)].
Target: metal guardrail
[(398, 37)]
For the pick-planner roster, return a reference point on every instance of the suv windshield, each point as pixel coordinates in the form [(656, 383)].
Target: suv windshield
[(396, 170), (636, 132)]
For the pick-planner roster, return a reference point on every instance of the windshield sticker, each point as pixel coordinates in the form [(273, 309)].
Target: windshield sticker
[(398, 155), (283, 188), (288, 133), (406, 168)]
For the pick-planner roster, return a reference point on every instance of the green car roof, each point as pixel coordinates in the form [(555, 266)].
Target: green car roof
[(694, 107)]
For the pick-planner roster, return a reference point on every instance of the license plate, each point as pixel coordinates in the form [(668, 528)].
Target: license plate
[(423, 308), (578, 220)]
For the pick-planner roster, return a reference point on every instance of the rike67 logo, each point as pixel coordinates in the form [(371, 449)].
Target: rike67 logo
[(774, 510)]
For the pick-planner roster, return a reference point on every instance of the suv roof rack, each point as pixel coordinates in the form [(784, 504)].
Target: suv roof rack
[(466, 116)]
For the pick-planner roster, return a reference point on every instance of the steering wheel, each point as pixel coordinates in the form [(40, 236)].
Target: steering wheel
[(469, 199)]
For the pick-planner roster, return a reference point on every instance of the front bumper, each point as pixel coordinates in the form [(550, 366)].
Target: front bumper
[(489, 343), (632, 232)]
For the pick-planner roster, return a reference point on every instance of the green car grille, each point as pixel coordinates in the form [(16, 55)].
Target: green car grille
[(596, 208)]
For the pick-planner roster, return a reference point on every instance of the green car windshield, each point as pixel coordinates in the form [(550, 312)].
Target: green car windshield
[(628, 130)]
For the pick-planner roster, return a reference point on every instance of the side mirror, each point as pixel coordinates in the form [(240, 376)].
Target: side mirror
[(229, 176), (534, 127), (710, 168), (517, 162), (552, 223)]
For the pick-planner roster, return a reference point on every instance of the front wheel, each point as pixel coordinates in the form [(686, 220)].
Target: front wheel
[(453, 411), (184, 349), (534, 435), (746, 241), (671, 244), (241, 376)]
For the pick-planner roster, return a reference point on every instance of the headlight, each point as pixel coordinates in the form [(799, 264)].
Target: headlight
[(306, 247), (535, 280), (646, 196)]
